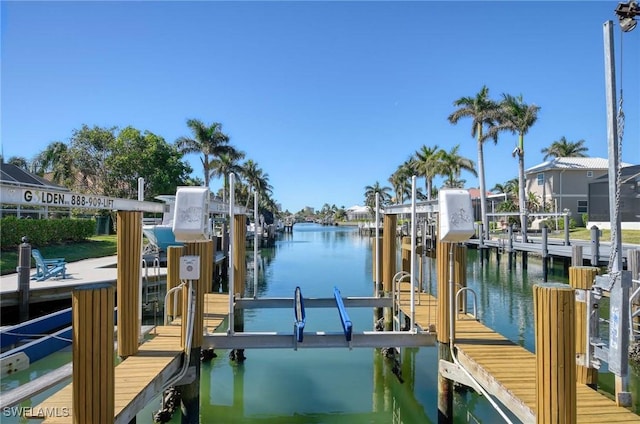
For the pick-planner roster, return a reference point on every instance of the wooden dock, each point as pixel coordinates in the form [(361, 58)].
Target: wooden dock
[(595, 254), (138, 378), (80, 273), (508, 371)]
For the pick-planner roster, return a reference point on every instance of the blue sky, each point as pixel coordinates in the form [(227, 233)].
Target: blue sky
[(327, 97)]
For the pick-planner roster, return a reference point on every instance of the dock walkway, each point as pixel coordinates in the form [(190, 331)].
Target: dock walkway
[(139, 378), (508, 371), (79, 273), (595, 254)]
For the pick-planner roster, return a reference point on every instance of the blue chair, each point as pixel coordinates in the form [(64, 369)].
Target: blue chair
[(47, 268)]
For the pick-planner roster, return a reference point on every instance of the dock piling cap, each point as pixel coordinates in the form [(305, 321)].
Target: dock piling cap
[(93, 286), (554, 285)]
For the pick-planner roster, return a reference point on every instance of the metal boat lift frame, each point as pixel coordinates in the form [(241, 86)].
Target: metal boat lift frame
[(414, 337)]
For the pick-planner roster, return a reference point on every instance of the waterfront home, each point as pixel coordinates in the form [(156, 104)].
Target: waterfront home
[(563, 183)]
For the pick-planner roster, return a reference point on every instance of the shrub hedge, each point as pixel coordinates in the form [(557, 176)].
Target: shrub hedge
[(42, 232), (551, 223)]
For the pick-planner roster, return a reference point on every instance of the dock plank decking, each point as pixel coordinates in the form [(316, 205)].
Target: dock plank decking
[(507, 370), (139, 378)]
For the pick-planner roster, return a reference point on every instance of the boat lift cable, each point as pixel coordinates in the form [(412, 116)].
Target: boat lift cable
[(452, 317)]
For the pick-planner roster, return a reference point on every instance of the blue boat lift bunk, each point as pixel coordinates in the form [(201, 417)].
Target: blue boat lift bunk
[(347, 326), (298, 311)]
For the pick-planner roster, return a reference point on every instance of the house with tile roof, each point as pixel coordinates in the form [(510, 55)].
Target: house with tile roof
[(563, 183)]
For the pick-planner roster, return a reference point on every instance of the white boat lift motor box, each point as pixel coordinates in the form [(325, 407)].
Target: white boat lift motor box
[(456, 215), (191, 214)]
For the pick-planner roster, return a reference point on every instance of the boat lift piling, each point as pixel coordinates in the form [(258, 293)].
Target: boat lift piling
[(129, 229), (93, 354)]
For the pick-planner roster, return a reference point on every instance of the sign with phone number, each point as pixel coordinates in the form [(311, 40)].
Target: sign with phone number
[(34, 197)]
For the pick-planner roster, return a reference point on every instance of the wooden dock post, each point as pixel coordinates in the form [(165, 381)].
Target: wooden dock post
[(576, 255), (24, 279), (555, 333), (595, 246), (445, 388), (581, 279), (567, 241), (406, 254), (190, 393), (388, 263), (129, 229), (443, 329), (510, 263), (174, 253), (459, 277), (238, 255), (239, 276), (92, 354)]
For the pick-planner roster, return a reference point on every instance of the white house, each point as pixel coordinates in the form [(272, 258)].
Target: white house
[(356, 212)]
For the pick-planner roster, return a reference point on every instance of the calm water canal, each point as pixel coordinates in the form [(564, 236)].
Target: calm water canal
[(341, 385), (357, 386)]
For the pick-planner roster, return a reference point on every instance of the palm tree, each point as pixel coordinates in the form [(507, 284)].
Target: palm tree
[(370, 194), (453, 164), (400, 180), (427, 163), (512, 186), (517, 117), (19, 161), (499, 188), (55, 159), (224, 164), (484, 112), (209, 141), (565, 149), (533, 202), (509, 187), (255, 178)]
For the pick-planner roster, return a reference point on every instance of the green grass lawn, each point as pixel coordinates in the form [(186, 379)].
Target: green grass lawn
[(95, 247), (628, 236)]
